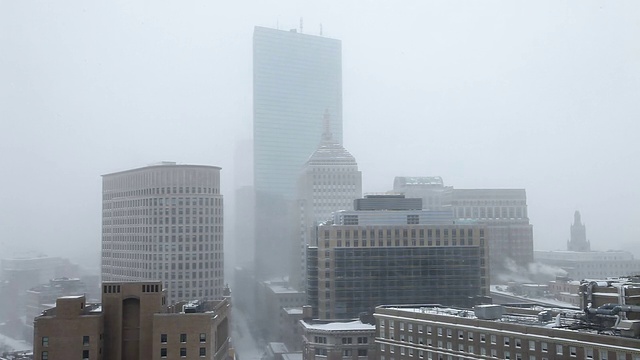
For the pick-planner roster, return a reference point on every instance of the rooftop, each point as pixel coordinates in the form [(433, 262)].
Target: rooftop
[(594, 321), (337, 325)]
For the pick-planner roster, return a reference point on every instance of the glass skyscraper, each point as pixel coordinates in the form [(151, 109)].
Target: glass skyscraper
[(297, 78)]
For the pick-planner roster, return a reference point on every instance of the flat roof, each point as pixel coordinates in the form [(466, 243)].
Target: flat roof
[(328, 325)]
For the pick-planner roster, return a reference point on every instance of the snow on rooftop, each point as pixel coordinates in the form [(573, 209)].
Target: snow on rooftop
[(339, 326), (294, 311)]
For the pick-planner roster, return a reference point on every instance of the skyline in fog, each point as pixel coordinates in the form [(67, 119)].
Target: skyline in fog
[(540, 96)]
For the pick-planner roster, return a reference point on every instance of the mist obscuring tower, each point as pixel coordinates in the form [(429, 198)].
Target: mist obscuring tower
[(296, 77), (578, 240)]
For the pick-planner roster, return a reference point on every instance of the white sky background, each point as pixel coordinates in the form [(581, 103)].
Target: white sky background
[(541, 95)]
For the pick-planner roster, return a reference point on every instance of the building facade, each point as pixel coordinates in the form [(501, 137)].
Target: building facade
[(435, 332), (338, 340), (330, 181), (296, 78), (357, 266), (165, 222), (591, 264), (133, 322), (504, 211)]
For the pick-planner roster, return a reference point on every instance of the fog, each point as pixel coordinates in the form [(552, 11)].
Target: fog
[(495, 94)]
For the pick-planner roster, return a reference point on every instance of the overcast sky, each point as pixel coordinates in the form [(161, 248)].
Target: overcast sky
[(541, 95)]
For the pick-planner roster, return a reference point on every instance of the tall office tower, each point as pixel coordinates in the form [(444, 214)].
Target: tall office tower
[(578, 240), (296, 78), (504, 211), (165, 222), (329, 182), (395, 253)]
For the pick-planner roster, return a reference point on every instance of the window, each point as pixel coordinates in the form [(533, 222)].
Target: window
[(362, 352), (45, 341), (85, 340), (382, 347), (347, 340), (470, 336), (163, 352), (572, 351), (604, 355), (532, 345), (544, 347), (421, 354), (506, 341), (429, 329), (588, 353), (471, 349), (363, 340), (460, 334), (203, 337), (163, 338), (559, 349), (410, 327), (449, 333), (183, 352), (401, 325), (85, 354), (322, 352), (507, 355), (439, 331), (45, 355), (483, 338), (420, 329), (494, 353), (518, 343), (493, 339), (183, 338), (346, 352)]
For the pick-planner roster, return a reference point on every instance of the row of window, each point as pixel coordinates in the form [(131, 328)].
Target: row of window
[(345, 352), (85, 340), (560, 351), (45, 355), (183, 352), (405, 233), (533, 345), (406, 242), (160, 191), (183, 338)]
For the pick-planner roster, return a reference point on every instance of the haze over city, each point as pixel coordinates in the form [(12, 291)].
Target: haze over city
[(494, 94)]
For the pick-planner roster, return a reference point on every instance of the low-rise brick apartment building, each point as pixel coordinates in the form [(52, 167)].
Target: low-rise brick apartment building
[(133, 322)]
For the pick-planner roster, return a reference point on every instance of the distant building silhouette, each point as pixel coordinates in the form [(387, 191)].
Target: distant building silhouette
[(165, 222), (296, 77), (578, 241), (504, 211)]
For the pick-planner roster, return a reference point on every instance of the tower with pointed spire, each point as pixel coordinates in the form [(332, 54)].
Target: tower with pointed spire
[(578, 241), (330, 181)]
